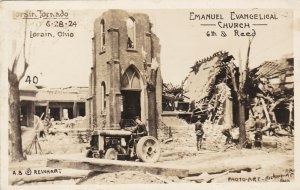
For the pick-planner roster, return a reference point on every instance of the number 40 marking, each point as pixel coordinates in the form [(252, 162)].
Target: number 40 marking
[(35, 79)]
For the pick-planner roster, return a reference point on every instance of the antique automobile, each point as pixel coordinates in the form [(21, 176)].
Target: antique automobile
[(123, 145)]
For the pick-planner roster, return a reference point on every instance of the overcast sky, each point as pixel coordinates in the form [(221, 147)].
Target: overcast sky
[(61, 62)]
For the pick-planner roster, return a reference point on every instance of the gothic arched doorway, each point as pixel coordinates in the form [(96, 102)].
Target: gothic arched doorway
[(131, 88)]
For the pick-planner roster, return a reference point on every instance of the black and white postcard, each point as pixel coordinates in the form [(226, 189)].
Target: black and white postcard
[(150, 94)]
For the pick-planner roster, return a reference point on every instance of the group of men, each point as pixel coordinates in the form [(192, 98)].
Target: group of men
[(258, 135)]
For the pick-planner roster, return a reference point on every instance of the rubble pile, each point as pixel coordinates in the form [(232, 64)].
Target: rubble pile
[(271, 101), (175, 130), (285, 143), (61, 142), (64, 144), (78, 122), (214, 139), (176, 135), (184, 138)]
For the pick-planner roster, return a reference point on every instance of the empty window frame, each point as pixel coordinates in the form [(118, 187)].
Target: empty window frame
[(131, 39)]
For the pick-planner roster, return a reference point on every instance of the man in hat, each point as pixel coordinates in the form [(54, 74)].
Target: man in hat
[(199, 133), (258, 135), (140, 128)]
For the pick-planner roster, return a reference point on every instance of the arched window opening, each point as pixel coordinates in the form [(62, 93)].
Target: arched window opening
[(130, 23), (102, 31), (131, 79), (103, 100)]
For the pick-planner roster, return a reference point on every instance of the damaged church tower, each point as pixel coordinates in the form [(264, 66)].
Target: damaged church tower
[(124, 54)]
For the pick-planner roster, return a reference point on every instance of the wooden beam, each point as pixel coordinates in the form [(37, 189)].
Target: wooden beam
[(265, 109), (104, 165)]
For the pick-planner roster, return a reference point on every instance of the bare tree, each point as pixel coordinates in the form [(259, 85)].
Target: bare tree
[(16, 152), (243, 97)]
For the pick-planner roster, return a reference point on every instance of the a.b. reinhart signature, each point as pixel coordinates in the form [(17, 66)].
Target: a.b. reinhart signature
[(30, 171)]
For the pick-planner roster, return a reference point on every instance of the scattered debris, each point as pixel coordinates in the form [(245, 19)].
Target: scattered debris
[(173, 98), (205, 177)]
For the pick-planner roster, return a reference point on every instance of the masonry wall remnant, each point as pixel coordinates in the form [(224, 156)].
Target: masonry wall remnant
[(124, 49)]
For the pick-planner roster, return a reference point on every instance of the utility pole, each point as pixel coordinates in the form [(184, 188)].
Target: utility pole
[(151, 76), (151, 89)]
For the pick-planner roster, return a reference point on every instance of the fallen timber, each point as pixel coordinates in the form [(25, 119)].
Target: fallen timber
[(104, 165), (108, 166)]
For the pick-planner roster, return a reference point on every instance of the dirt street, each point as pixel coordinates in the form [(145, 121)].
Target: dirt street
[(216, 162)]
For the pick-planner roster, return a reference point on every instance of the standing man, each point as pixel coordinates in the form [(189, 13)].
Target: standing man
[(39, 127), (129, 43), (258, 126), (199, 133), (227, 134), (48, 121)]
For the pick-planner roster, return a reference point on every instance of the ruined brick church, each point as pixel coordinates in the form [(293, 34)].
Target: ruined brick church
[(124, 51)]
